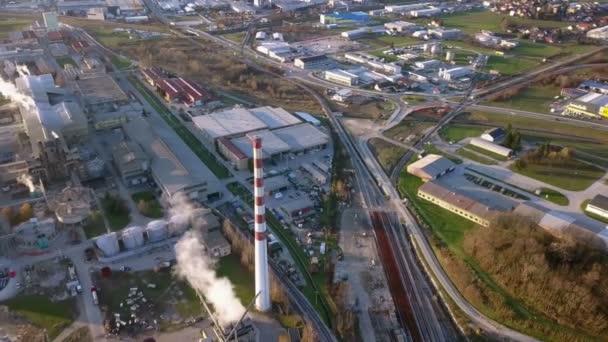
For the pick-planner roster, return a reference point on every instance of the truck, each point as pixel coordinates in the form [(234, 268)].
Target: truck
[(94, 294)]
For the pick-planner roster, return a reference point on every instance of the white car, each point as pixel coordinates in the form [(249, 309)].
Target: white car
[(278, 195)]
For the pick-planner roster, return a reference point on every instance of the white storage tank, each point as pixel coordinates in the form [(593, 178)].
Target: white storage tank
[(157, 230), (133, 237), (108, 244)]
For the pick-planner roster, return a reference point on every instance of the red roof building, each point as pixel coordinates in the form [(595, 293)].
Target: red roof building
[(194, 94), (80, 45), (169, 89), (153, 75), (54, 36)]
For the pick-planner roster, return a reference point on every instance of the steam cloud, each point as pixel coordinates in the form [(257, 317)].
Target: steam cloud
[(181, 210), (10, 91), (27, 180), (195, 266)]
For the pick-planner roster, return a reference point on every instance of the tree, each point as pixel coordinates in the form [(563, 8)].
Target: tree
[(25, 212), (309, 334), (144, 206)]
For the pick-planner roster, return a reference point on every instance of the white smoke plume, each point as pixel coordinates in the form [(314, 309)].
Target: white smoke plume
[(195, 266), (10, 91), (181, 211), (22, 70), (27, 180)]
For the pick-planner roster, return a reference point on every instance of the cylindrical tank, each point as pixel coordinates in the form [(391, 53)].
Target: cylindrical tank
[(157, 230), (449, 56), (435, 49), (108, 244), (179, 223), (133, 237)]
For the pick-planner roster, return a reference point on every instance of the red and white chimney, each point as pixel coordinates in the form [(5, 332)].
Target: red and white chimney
[(262, 285)]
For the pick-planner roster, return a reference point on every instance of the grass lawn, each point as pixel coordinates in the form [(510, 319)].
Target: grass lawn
[(110, 38), (235, 37), (535, 98), (463, 152), (475, 21), (116, 220), (554, 196), (510, 65), (408, 128), (486, 152), (40, 311), (456, 133), (95, 225), (8, 25), (385, 41), (154, 210), (121, 62), (432, 149), (386, 153), (218, 169), (575, 176), (242, 279), (590, 214), (65, 60), (413, 99)]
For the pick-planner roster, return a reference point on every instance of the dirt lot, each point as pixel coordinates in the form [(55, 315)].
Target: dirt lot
[(217, 68)]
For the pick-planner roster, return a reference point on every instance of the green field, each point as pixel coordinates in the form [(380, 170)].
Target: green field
[(475, 21), (554, 196), (110, 38), (95, 225), (8, 25), (40, 311), (487, 153), (241, 278), (152, 206), (121, 62), (413, 99), (576, 176), (117, 220), (535, 98), (463, 152), (235, 37), (218, 169), (456, 133), (508, 66), (386, 153), (65, 60), (432, 149), (385, 41)]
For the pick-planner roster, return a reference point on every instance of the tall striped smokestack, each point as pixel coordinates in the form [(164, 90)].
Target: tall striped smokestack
[(262, 285)]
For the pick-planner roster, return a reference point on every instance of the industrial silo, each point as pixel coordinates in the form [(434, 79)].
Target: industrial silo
[(108, 244), (449, 56), (157, 230), (133, 237)]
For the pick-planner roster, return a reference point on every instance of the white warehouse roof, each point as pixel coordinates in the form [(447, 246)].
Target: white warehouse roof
[(503, 151), (302, 136)]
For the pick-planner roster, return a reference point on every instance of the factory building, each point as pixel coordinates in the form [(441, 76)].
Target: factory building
[(362, 32), (173, 166), (492, 147), (402, 9), (425, 12), (342, 77), (345, 19), (428, 65), (276, 184), (100, 93), (154, 75), (446, 33), (72, 206), (494, 135), (598, 205), (591, 104), (598, 87), (131, 162), (298, 208), (237, 122), (454, 73), (319, 177), (278, 144), (126, 8), (279, 51), (430, 167), (179, 89), (203, 221), (400, 26), (477, 210), (311, 62)]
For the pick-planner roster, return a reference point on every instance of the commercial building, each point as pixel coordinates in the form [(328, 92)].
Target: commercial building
[(454, 73), (480, 211), (402, 9), (598, 87), (298, 208), (173, 166), (598, 33), (492, 147), (362, 32), (400, 26), (494, 135), (279, 51), (154, 75), (126, 8), (341, 77), (132, 163), (237, 122), (347, 19), (446, 33), (598, 205), (310, 62), (100, 93), (308, 118), (591, 104), (180, 89), (430, 167), (426, 12), (238, 158), (428, 65), (273, 185)]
